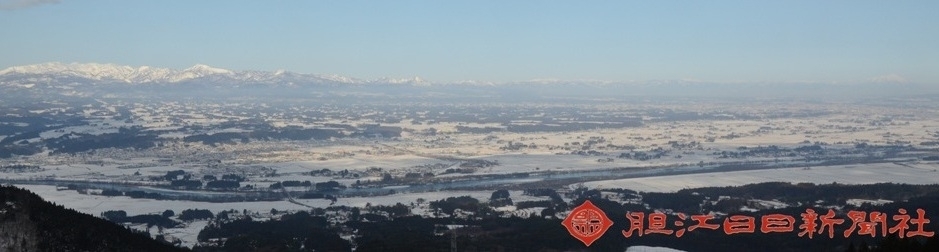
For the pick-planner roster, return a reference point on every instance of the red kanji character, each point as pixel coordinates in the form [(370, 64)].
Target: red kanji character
[(702, 220), (829, 221), (635, 223), (858, 219), (657, 224), (680, 223), (878, 219), (779, 223), (739, 224), (920, 221), (903, 225), (808, 223)]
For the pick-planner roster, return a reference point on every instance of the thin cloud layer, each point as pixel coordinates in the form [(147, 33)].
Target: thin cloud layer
[(19, 4)]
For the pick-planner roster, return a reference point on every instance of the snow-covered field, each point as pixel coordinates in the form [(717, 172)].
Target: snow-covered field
[(917, 173), (688, 144), (96, 204), (650, 249)]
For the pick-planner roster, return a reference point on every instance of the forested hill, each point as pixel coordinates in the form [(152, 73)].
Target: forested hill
[(29, 223)]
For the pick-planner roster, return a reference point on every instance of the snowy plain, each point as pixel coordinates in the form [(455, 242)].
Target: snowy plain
[(920, 173)]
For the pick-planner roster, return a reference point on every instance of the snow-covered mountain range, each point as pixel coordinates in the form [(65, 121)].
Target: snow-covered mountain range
[(199, 72), (91, 79)]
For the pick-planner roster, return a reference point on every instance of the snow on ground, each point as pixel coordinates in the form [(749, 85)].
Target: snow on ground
[(293, 160), (188, 234), (482, 196), (114, 171), (922, 173), (650, 249), (859, 202), (358, 162), (518, 196), (769, 204), (96, 204)]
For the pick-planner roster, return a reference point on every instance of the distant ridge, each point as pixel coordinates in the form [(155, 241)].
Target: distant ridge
[(146, 74), (111, 80)]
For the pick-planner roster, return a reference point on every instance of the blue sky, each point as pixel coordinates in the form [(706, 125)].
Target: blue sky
[(719, 41)]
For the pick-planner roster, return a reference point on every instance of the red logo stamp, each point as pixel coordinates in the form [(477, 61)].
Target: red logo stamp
[(587, 223)]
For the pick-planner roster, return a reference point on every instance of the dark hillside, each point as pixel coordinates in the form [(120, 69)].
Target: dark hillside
[(29, 223)]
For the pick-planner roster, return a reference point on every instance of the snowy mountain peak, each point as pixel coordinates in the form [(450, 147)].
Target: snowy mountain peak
[(198, 73), (200, 68), (146, 74), (418, 81), (92, 71), (58, 67)]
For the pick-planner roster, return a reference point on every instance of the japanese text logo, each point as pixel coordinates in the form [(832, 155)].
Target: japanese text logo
[(587, 223)]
